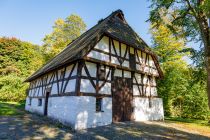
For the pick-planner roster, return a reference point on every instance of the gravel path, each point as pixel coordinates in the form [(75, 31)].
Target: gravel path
[(31, 126)]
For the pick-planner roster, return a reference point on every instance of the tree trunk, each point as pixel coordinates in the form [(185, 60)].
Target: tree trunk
[(208, 61), (205, 34), (208, 78), (207, 49)]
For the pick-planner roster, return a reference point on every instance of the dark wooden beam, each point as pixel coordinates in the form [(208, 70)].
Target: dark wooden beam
[(113, 65), (78, 80)]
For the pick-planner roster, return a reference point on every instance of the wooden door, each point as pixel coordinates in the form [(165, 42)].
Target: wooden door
[(122, 99), (46, 103)]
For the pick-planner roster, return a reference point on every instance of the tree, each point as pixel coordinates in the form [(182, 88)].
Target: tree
[(191, 16), (168, 47), (64, 32), (18, 60), (171, 57), (183, 86)]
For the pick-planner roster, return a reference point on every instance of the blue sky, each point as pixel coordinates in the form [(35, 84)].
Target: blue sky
[(31, 20)]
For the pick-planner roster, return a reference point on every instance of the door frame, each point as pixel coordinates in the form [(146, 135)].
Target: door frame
[(47, 94)]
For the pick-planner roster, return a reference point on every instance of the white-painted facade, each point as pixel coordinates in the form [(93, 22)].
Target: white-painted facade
[(80, 111), (33, 106), (143, 112)]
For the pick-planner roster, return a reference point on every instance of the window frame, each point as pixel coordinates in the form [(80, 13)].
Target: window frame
[(30, 100), (100, 108), (150, 103), (39, 101), (101, 73)]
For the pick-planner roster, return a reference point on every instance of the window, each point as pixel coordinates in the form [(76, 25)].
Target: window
[(99, 105), (101, 73), (39, 102), (30, 99), (150, 103)]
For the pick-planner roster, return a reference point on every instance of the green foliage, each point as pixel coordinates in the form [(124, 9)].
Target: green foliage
[(18, 60), (12, 88), (183, 94), (168, 47), (190, 17), (183, 88), (64, 32)]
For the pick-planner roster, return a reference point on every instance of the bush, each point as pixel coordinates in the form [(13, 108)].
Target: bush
[(12, 88), (184, 93)]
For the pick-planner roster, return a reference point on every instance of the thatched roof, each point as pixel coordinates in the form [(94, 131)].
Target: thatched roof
[(114, 25)]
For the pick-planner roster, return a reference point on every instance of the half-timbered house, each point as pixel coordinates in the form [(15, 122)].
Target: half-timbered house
[(106, 75)]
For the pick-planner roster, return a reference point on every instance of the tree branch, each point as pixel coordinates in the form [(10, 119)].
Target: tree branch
[(181, 16), (191, 8)]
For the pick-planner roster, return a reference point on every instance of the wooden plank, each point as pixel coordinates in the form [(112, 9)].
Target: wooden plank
[(61, 90), (78, 79), (140, 92), (104, 82), (56, 74), (69, 77), (113, 65), (89, 76), (109, 50), (97, 78), (116, 52), (113, 55)]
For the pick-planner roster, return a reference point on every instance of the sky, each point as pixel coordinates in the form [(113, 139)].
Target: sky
[(31, 20)]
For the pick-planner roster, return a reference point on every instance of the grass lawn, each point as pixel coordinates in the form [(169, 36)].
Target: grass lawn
[(191, 124), (11, 108)]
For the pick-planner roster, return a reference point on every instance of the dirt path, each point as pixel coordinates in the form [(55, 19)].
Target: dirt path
[(30, 126)]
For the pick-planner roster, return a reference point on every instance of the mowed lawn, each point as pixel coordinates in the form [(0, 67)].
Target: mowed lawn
[(11, 108), (15, 123)]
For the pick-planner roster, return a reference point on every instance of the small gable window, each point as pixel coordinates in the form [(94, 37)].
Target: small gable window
[(39, 102), (150, 103), (101, 73), (99, 105)]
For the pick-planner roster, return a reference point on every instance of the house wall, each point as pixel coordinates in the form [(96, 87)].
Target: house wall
[(86, 85), (63, 108), (144, 82), (55, 81), (88, 117), (143, 112), (109, 50), (34, 105), (80, 111)]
